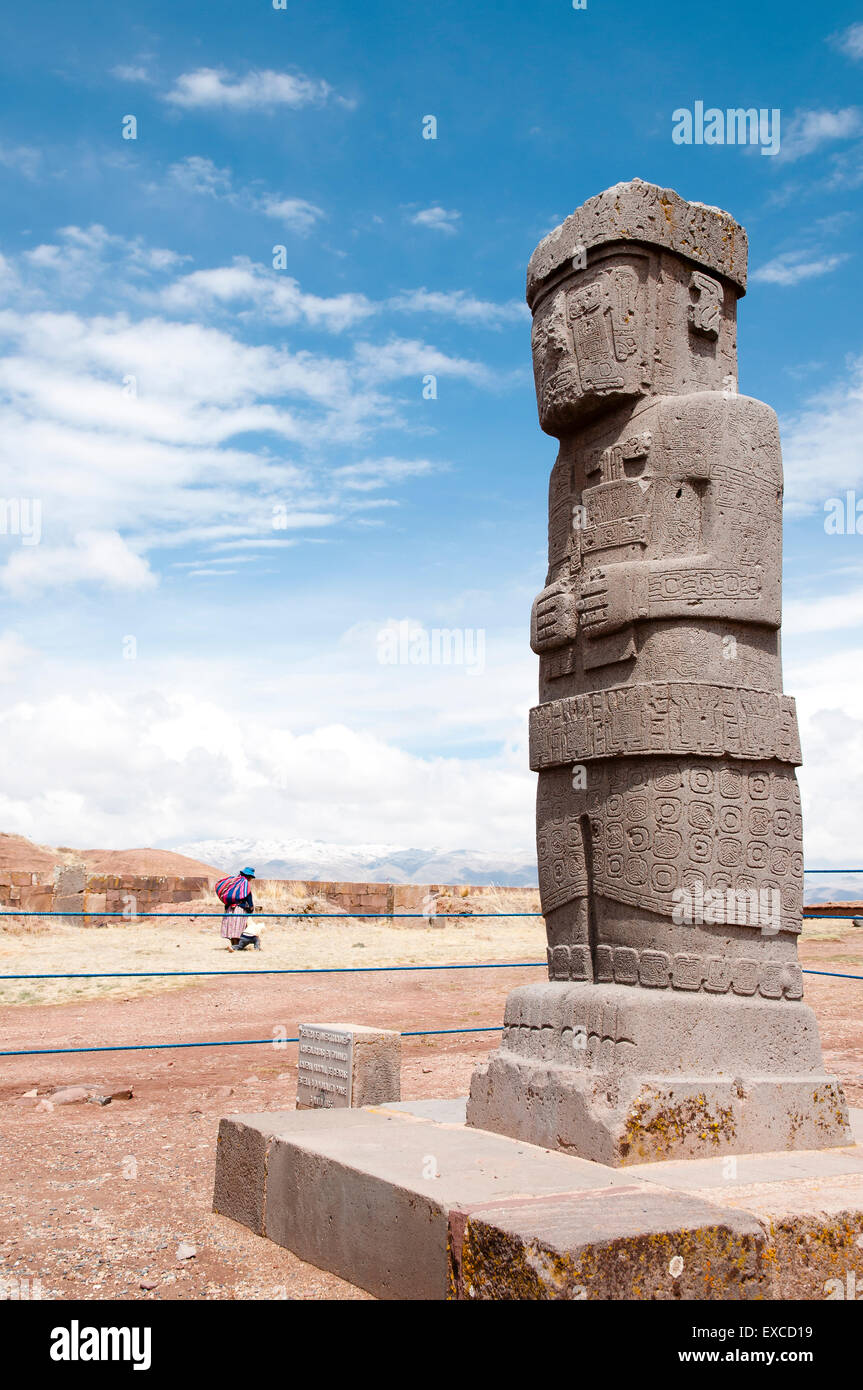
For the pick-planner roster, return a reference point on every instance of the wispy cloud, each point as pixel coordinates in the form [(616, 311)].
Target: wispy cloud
[(374, 473), (793, 266), (100, 557), (294, 213), (404, 357), (847, 168), (79, 258), (22, 158), (821, 444), (216, 87), (197, 174), (438, 219), (131, 72), (140, 433), (850, 41), (269, 294), (808, 131), (460, 306)]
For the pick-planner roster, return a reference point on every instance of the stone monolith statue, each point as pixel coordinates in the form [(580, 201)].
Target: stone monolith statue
[(668, 815)]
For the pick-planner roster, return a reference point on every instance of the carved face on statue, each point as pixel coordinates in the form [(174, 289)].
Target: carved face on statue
[(587, 336)]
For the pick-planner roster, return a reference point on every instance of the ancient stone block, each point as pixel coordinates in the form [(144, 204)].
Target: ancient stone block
[(344, 1065), (70, 879), (37, 897), (612, 1244)]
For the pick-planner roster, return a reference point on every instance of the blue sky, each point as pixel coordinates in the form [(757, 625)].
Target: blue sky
[(235, 464)]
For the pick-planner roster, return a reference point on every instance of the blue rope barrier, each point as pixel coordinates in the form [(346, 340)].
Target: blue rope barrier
[(834, 974), (314, 970), (11, 911), (235, 1042), (259, 1042), (310, 970)]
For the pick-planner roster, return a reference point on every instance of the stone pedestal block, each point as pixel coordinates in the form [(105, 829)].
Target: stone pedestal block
[(623, 1076), (407, 1202), (343, 1065)]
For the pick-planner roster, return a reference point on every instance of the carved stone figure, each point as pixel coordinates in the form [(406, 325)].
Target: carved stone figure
[(669, 833)]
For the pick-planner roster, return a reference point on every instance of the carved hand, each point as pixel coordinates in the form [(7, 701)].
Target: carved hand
[(606, 600), (553, 621)]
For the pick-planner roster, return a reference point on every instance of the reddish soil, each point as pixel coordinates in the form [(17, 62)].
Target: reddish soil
[(97, 1199), (145, 862), (16, 852)]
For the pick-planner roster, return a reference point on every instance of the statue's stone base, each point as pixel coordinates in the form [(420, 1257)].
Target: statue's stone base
[(405, 1201), (621, 1076)]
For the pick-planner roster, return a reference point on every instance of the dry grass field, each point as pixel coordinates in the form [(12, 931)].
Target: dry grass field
[(59, 946)]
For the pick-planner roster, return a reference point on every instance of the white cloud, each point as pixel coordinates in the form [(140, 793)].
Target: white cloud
[(101, 557), (270, 294), (827, 613), (438, 219), (850, 41), (847, 168), (138, 434), (200, 751), (196, 174), (791, 267), (131, 72), (22, 158), (15, 656), (461, 306), (215, 87), (404, 357), (807, 131), (821, 444), (294, 213), (373, 473), (829, 701), (78, 261)]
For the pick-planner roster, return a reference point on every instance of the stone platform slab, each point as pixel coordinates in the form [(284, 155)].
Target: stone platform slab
[(407, 1202)]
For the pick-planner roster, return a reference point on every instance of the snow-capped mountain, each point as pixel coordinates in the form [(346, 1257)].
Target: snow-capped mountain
[(317, 860), (833, 888), (380, 863)]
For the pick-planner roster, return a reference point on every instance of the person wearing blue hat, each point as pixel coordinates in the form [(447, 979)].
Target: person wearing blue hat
[(240, 901)]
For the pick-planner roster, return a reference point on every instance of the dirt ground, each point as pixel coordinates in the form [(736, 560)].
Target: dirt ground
[(95, 1200)]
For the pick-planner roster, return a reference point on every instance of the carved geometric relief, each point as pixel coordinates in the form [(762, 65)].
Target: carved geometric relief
[(667, 718)]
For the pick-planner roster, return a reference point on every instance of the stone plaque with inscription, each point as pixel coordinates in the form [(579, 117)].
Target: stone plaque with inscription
[(324, 1067), (669, 830), (340, 1065)]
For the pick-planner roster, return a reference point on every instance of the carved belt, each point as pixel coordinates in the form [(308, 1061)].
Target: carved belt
[(676, 717)]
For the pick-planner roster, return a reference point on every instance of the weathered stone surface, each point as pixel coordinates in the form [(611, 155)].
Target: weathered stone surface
[(409, 1203), (669, 832), (617, 1243), (368, 1193), (643, 212), (71, 1095), (342, 1065)]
